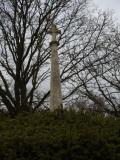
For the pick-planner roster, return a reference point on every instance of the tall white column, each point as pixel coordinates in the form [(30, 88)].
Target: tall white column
[(55, 84)]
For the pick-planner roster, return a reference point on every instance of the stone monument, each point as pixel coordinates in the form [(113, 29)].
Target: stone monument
[(55, 83)]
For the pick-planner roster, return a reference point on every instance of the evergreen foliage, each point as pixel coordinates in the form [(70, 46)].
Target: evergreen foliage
[(59, 136)]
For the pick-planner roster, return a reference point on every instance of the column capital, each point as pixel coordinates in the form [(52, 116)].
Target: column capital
[(54, 31)]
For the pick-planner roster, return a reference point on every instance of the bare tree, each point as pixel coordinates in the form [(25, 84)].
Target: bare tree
[(96, 66), (24, 47), (107, 74), (86, 46), (101, 78)]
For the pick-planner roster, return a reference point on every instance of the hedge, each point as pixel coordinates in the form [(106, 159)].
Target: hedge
[(65, 136)]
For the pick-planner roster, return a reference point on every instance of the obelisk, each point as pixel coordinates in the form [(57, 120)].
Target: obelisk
[(55, 83)]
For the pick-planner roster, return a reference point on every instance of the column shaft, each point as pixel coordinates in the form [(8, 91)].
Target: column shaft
[(55, 93)]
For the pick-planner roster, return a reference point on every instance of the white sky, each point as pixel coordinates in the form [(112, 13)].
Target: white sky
[(109, 4)]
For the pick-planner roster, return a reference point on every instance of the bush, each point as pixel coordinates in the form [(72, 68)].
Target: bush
[(65, 136)]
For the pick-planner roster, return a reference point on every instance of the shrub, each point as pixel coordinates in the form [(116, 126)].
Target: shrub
[(65, 136)]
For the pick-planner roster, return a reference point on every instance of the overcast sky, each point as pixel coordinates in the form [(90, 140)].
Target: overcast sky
[(109, 4)]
